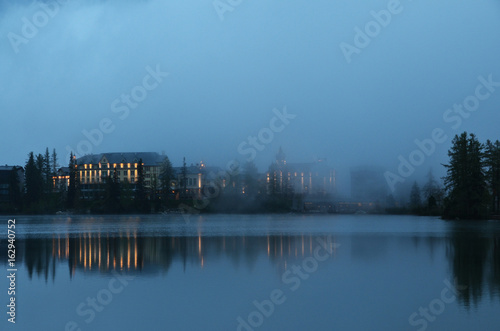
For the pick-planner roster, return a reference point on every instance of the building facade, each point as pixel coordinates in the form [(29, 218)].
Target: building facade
[(199, 177), (93, 170), (313, 178)]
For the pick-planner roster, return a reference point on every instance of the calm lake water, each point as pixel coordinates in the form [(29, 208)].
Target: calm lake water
[(259, 272)]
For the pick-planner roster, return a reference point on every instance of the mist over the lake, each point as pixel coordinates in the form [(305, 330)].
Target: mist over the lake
[(229, 69)]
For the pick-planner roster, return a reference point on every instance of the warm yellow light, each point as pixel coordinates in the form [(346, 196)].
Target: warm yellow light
[(99, 238), (67, 246), (84, 251), (128, 254), (80, 242), (268, 246), (135, 252)]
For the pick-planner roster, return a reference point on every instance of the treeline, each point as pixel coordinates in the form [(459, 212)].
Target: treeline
[(471, 186), (43, 190), (472, 182), (37, 194), (427, 200)]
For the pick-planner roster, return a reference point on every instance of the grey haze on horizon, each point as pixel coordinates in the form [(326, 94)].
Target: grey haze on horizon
[(225, 77)]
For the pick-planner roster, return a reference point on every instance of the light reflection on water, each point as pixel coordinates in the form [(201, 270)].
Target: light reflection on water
[(401, 260)]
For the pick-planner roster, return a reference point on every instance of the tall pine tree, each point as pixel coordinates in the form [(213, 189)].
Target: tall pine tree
[(73, 183), (465, 181), (165, 177), (492, 157), (47, 172), (33, 179), (140, 190)]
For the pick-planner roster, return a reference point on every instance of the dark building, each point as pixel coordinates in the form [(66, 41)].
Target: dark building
[(11, 183)]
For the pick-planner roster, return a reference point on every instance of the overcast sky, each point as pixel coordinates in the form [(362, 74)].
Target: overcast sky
[(69, 67)]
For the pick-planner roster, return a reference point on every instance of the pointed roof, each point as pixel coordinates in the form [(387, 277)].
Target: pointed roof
[(280, 157)]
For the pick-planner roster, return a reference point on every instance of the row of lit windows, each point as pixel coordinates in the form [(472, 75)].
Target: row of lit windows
[(84, 173), (115, 165)]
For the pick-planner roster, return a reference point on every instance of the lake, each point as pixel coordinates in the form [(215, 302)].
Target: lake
[(253, 272)]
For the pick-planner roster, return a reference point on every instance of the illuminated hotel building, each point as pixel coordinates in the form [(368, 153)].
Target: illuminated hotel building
[(93, 170), (60, 181)]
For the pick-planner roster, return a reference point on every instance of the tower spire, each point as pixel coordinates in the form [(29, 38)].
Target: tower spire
[(280, 157)]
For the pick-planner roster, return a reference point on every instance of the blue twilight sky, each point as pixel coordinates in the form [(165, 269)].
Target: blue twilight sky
[(67, 67)]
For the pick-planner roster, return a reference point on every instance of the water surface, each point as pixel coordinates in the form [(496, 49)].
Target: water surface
[(259, 272)]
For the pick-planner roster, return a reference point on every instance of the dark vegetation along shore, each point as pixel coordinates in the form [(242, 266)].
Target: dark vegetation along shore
[(471, 190)]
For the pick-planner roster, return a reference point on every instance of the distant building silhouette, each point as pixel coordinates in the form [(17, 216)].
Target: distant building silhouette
[(198, 176), (309, 178)]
